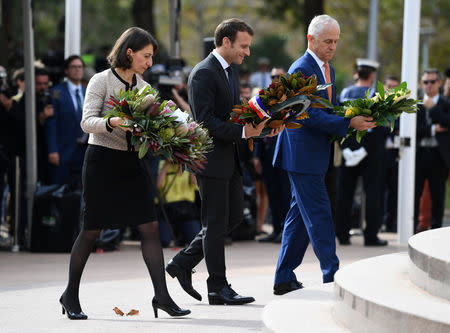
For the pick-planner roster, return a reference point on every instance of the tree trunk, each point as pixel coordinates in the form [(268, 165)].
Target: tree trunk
[(312, 8), (143, 15)]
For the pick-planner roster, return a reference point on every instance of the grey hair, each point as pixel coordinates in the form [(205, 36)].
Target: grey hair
[(317, 24)]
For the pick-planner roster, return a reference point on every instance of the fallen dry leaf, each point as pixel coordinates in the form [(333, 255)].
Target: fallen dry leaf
[(118, 311), (133, 312)]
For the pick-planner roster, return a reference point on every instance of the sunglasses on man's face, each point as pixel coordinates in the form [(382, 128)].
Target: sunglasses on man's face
[(429, 81), (275, 77)]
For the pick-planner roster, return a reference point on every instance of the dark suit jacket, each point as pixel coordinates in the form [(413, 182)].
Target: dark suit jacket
[(211, 103), (63, 129), (307, 149), (439, 114)]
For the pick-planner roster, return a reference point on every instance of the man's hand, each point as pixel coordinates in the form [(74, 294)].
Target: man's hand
[(53, 158), (276, 131), (439, 129), (48, 111), (251, 131), (362, 123)]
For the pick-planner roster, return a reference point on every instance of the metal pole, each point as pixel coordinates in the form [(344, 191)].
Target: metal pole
[(373, 30), (30, 112), (72, 28), (406, 169), (17, 202), (174, 16)]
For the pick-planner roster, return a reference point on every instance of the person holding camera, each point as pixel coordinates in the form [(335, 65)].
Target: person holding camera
[(44, 110), (65, 138)]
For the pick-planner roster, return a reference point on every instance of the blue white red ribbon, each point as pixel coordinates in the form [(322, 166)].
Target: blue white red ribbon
[(256, 105)]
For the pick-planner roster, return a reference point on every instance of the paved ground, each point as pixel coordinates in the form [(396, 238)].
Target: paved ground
[(30, 286)]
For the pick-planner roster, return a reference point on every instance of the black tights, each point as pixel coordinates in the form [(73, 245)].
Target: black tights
[(151, 251)]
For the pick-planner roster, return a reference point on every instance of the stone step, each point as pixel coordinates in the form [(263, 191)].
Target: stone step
[(376, 295), (306, 310), (429, 253)]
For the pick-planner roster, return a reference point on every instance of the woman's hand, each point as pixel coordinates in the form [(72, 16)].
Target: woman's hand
[(116, 122)]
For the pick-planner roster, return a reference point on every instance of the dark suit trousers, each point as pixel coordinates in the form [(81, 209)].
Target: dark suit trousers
[(431, 166), (221, 212), (372, 173)]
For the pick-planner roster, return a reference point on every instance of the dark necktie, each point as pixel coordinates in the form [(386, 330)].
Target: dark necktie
[(78, 98), (230, 81)]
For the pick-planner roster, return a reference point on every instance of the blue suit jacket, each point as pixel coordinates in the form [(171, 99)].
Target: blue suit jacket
[(63, 128), (307, 149)]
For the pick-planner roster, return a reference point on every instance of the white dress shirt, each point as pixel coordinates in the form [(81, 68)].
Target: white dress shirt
[(72, 90), (225, 65), (431, 141), (319, 62)]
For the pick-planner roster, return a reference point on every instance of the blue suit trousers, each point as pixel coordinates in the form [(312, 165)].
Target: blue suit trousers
[(309, 220)]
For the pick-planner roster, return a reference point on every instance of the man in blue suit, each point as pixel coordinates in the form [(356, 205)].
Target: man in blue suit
[(64, 135), (304, 153)]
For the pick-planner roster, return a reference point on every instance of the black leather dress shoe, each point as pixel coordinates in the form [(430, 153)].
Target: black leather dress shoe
[(227, 296), (344, 241), (283, 288), (375, 242), (184, 276)]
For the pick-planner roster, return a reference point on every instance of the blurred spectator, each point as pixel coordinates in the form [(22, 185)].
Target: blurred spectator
[(246, 91), (261, 78), (66, 142), (179, 93), (44, 110), (179, 193), (244, 75), (19, 82), (276, 72), (275, 179), (433, 146), (101, 63), (361, 159), (53, 60), (391, 167), (447, 85)]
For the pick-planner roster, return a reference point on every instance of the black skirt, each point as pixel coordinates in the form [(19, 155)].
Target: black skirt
[(117, 190)]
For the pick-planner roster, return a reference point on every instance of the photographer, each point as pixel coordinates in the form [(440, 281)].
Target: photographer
[(44, 110), (171, 81)]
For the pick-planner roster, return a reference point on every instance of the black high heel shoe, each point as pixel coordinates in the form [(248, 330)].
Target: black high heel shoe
[(173, 311), (70, 314)]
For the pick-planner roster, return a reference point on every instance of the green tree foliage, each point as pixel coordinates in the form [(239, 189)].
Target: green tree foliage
[(261, 47)]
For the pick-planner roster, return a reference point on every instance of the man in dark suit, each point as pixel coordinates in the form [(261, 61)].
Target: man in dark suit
[(64, 134), (364, 159), (433, 146), (213, 90), (304, 153)]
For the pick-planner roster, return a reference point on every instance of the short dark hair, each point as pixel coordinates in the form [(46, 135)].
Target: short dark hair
[(432, 71), (70, 59), (364, 72), (38, 71), (133, 38), (229, 28), (392, 78)]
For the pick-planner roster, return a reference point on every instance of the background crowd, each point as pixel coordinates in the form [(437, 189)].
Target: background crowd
[(361, 180)]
